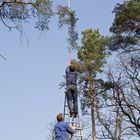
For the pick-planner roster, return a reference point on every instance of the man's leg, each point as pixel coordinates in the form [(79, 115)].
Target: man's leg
[(75, 101), (70, 101)]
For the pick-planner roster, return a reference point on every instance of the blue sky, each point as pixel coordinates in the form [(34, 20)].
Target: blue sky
[(29, 93)]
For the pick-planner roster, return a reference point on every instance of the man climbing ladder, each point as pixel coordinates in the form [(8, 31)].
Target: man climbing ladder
[(71, 90), (71, 83)]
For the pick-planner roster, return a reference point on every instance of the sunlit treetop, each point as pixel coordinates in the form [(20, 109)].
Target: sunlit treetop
[(126, 26)]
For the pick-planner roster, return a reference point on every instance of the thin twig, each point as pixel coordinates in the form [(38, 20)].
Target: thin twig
[(3, 57)]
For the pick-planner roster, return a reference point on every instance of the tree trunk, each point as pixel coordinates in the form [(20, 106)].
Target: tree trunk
[(91, 90)]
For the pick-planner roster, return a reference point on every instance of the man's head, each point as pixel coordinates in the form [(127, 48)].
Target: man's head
[(72, 68), (60, 117)]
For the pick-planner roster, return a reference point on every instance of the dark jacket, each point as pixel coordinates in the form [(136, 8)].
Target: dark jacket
[(71, 77), (61, 131)]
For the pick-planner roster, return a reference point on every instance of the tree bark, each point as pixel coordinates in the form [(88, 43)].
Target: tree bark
[(91, 90)]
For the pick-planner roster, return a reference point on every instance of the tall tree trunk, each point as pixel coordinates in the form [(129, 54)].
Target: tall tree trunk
[(91, 90)]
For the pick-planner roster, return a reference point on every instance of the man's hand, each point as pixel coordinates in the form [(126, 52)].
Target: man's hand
[(69, 57), (73, 128)]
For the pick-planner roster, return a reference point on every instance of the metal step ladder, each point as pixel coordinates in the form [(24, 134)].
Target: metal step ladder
[(74, 122)]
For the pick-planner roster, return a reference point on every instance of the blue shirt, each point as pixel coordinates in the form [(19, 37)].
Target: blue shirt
[(61, 131)]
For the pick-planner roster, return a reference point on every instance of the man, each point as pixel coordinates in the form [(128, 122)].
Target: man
[(62, 128), (71, 92)]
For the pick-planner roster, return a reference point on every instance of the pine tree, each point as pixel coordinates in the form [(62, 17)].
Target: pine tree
[(91, 57), (126, 26)]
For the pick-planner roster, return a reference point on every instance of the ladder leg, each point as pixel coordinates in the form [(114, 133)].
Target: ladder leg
[(64, 107), (73, 121)]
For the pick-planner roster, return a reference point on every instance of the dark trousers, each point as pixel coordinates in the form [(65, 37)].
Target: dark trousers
[(72, 98)]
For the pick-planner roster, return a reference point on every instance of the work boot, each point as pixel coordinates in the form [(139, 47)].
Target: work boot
[(71, 114), (75, 114)]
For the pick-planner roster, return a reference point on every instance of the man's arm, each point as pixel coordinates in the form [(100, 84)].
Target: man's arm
[(70, 129), (67, 69), (69, 57)]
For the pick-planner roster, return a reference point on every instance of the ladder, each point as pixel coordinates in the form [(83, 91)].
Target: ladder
[(74, 122)]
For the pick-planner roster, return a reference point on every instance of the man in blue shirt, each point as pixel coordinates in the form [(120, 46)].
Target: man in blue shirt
[(71, 92), (62, 128)]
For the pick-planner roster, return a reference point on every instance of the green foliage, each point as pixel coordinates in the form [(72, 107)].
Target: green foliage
[(43, 14), (92, 52), (126, 25), (91, 57), (68, 17), (16, 12)]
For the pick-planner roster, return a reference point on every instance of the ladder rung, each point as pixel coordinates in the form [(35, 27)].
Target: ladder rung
[(78, 136), (78, 128), (66, 114), (75, 122)]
